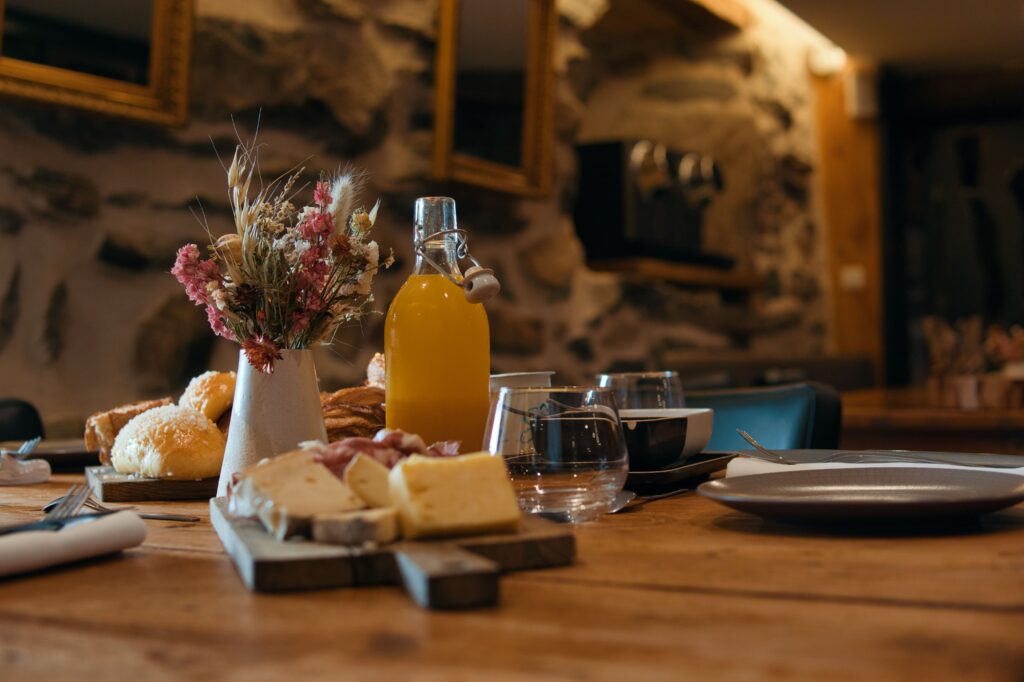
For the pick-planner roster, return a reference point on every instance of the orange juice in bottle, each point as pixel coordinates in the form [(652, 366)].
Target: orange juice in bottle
[(436, 342)]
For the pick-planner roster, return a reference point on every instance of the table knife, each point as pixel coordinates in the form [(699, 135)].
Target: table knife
[(49, 524)]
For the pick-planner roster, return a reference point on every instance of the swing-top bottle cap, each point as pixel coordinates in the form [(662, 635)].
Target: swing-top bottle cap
[(434, 223), (432, 214)]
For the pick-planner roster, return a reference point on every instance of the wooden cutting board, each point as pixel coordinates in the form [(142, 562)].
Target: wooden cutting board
[(439, 574), (109, 486)]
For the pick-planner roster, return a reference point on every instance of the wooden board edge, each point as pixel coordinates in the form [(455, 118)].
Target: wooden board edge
[(146, 490), (261, 574), (539, 543), (525, 554), (546, 544), (234, 547), (444, 576)]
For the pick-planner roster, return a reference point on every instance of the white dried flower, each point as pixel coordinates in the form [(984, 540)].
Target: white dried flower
[(366, 279), (372, 253), (344, 191), (229, 249)]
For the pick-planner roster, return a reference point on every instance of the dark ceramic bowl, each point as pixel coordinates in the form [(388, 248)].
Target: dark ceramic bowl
[(656, 438)]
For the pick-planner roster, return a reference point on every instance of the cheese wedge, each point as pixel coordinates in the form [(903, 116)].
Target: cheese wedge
[(445, 496), (287, 491), (357, 528), (368, 479)]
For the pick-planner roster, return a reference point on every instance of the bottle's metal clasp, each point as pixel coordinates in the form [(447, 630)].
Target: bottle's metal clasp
[(479, 283)]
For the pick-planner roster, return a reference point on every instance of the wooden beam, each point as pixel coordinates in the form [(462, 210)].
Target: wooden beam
[(850, 186)]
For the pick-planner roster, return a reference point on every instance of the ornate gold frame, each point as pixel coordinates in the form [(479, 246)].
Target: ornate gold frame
[(533, 175), (164, 100)]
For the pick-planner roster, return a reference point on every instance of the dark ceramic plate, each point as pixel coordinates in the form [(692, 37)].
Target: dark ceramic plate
[(864, 493), (684, 469), (62, 453)]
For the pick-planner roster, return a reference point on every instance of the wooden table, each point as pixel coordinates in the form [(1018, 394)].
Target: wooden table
[(680, 588), (901, 418)]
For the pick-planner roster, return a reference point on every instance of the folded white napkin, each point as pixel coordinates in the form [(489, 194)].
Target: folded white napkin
[(15, 471), (32, 550), (746, 466)]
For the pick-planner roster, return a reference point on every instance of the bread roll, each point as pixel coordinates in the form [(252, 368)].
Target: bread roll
[(102, 428), (210, 393), (353, 412), (376, 375), (172, 442)]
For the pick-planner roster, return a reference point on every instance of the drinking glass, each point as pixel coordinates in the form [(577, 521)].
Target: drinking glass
[(644, 390), (563, 447), (521, 380)]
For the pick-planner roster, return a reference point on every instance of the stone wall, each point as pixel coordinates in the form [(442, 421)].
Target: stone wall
[(92, 209)]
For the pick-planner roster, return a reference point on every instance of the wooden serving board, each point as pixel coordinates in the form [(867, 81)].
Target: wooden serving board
[(455, 573), (109, 486)]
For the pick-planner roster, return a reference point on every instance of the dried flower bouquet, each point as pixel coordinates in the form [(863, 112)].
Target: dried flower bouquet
[(287, 278)]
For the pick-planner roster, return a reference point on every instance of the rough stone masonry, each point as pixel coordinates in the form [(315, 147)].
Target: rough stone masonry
[(92, 209)]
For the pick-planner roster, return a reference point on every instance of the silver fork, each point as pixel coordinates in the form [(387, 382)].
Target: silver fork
[(93, 504), (25, 448), (855, 457), (70, 504), (96, 506), (61, 515)]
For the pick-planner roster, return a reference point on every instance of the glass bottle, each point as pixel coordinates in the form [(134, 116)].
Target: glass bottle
[(436, 342)]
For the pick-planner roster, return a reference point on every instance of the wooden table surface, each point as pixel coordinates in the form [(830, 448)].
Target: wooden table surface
[(677, 589), (903, 419), (909, 408)]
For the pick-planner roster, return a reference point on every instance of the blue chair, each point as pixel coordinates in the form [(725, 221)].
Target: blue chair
[(790, 417), (19, 420)]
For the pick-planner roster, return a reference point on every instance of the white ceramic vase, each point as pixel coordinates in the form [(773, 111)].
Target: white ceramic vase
[(272, 413)]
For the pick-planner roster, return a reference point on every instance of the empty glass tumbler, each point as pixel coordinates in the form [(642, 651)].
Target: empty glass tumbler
[(644, 390), (563, 447)]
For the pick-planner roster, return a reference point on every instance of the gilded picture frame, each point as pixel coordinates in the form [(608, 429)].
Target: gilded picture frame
[(533, 175), (163, 100)]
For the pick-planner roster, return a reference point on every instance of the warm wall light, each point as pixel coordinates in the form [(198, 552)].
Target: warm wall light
[(860, 82), (860, 91), (826, 60)]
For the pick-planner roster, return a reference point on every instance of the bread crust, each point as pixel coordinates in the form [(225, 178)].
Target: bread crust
[(210, 393), (172, 442), (101, 428), (357, 411)]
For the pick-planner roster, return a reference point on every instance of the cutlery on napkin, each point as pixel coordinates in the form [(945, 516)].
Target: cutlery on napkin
[(32, 550), (746, 466)]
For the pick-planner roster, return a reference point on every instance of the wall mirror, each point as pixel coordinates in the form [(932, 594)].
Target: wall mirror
[(494, 94), (121, 57)]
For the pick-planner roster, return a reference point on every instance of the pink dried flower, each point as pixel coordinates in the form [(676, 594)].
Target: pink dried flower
[(195, 273), (322, 194), (315, 257), (217, 324), (316, 225), (310, 280)]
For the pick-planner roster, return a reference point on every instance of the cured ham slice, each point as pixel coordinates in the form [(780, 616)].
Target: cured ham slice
[(387, 447)]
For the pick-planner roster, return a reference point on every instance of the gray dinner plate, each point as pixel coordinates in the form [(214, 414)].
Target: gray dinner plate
[(63, 454), (865, 493), (963, 458)]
